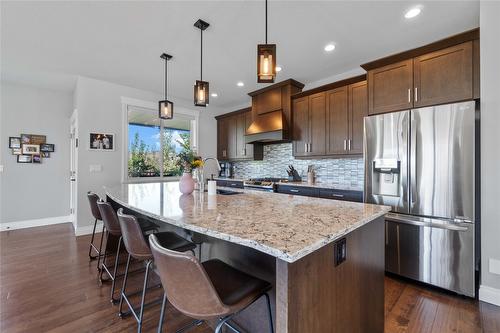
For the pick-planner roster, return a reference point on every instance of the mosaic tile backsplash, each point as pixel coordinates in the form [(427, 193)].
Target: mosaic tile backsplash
[(277, 157)]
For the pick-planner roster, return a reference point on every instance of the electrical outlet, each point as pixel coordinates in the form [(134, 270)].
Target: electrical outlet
[(340, 251), (494, 266), (95, 168)]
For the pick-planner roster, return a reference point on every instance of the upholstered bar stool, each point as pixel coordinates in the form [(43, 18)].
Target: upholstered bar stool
[(138, 248), (208, 290), (112, 227), (93, 198)]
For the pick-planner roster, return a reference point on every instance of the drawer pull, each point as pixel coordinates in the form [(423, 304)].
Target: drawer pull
[(294, 191), (337, 195)]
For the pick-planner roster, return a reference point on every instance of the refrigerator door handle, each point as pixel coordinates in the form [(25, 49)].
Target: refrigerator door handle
[(426, 222), (413, 160)]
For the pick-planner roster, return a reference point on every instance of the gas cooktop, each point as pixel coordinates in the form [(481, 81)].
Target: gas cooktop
[(264, 183)]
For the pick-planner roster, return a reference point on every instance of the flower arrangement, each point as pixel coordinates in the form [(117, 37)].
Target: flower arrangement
[(188, 160)]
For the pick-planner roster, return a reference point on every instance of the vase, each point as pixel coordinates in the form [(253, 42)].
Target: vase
[(200, 181), (186, 183)]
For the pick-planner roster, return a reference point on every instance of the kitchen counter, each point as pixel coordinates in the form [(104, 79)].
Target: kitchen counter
[(286, 227)]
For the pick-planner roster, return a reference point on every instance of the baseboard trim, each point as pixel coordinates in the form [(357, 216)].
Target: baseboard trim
[(489, 295), (87, 230), (34, 223)]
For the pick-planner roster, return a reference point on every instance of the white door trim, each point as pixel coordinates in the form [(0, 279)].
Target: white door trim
[(74, 160)]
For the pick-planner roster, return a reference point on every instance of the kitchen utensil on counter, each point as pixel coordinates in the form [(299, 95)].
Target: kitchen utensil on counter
[(294, 175)]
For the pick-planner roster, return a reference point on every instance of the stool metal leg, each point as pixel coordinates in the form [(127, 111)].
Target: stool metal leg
[(115, 271), (221, 323), (122, 294), (162, 313), (271, 327), (101, 269), (144, 289), (91, 257), (100, 250)]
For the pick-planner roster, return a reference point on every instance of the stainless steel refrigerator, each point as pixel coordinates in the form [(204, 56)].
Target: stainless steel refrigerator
[(421, 162)]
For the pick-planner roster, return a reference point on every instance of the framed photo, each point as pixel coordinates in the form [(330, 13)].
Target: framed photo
[(37, 139), (37, 159), (101, 142), (47, 147), (24, 158), (14, 142), (25, 138), (29, 149), (17, 151), (45, 154)]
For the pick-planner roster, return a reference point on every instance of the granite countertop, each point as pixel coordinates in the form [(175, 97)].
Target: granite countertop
[(283, 226)]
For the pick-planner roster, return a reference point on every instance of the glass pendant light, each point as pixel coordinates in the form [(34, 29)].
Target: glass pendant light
[(266, 60), (201, 92), (166, 107)]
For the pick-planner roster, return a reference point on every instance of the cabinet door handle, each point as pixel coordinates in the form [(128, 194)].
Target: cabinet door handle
[(294, 191), (310, 147), (409, 95), (337, 195), (345, 144), (416, 94), (349, 143), (305, 147)]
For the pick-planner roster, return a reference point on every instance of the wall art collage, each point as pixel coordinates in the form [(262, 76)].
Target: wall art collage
[(30, 148)]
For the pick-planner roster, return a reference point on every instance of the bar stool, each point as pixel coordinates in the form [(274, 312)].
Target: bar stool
[(138, 248), (210, 290), (93, 198), (112, 227)]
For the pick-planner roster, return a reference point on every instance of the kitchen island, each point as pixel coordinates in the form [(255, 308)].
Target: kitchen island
[(324, 257)]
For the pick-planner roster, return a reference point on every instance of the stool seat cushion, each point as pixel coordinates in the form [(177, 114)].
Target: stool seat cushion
[(174, 242), (236, 289)]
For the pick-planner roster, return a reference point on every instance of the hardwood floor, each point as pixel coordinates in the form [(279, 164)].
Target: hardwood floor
[(48, 285)]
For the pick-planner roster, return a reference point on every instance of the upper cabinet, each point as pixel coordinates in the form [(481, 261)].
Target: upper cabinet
[(443, 76), (329, 123), (443, 72), (390, 87), (231, 143)]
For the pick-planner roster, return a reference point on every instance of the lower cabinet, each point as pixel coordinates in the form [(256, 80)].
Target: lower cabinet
[(229, 183), (346, 195)]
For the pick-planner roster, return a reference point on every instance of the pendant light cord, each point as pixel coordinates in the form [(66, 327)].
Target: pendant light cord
[(166, 65), (266, 21), (201, 53)]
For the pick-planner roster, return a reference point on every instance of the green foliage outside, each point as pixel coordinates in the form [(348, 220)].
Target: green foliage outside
[(144, 162)]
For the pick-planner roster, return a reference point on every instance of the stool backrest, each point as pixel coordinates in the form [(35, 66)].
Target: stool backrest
[(186, 283), (134, 241), (93, 198), (109, 218)]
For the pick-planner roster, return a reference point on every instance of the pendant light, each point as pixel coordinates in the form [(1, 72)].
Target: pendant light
[(201, 87), (266, 60), (166, 107)]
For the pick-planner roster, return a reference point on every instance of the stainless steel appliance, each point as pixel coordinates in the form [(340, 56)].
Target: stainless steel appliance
[(226, 170), (265, 184), (421, 162)]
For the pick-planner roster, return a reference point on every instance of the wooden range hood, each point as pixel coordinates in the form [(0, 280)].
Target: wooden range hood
[(272, 113)]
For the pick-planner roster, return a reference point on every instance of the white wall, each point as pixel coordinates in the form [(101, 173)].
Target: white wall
[(34, 191), (100, 109), (490, 149)]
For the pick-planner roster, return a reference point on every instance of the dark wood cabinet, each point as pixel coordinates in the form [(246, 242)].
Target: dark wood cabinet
[(338, 120), (268, 101), (358, 110), (231, 144), (330, 123), (390, 87), (300, 107), (443, 76)]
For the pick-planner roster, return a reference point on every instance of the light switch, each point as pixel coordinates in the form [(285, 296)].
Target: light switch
[(1, 168), (95, 168)]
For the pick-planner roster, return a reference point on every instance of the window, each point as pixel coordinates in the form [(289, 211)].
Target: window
[(153, 143)]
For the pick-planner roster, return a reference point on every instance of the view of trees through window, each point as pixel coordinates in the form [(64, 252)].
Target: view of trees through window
[(147, 145)]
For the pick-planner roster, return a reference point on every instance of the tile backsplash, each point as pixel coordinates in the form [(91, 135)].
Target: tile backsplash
[(277, 157)]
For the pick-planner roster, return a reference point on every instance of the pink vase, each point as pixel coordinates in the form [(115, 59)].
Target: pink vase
[(186, 183)]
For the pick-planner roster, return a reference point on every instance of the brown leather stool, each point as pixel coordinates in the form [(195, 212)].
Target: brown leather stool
[(112, 227), (138, 248), (210, 290), (93, 198)]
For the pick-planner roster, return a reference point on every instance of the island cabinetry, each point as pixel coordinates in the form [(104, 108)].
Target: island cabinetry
[(314, 294)]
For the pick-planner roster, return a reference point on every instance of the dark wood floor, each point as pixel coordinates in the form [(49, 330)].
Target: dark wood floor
[(48, 285)]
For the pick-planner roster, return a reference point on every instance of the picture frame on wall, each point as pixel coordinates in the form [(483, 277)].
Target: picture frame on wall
[(24, 158), (37, 159), (30, 149), (101, 142), (14, 142), (47, 147), (36, 139), (25, 138), (17, 151), (45, 154)]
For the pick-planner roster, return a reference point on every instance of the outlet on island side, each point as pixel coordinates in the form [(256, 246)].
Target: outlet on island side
[(340, 251)]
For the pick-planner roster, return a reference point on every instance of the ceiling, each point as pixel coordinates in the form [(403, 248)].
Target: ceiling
[(121, 42)]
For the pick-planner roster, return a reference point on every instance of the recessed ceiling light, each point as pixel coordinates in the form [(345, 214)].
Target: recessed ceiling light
[(278, 69), (329, 47), (411, 13), (240, 84), (214, 95)]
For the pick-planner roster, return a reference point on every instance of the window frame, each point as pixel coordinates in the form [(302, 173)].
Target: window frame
[(132, 102)]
